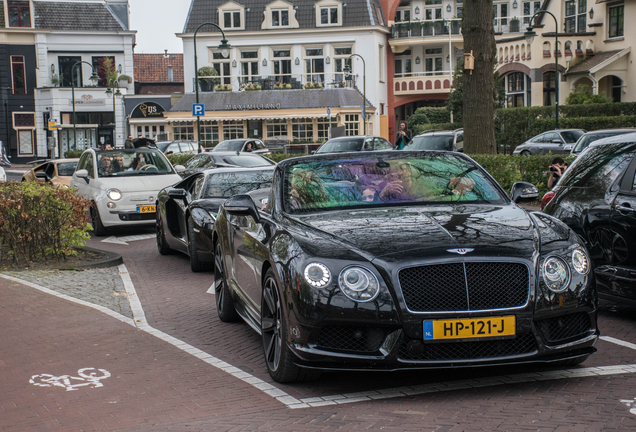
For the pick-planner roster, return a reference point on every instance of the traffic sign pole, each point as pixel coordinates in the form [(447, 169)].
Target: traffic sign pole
[(329, 116)]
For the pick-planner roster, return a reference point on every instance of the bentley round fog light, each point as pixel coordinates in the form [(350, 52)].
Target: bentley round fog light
[(556, 274), (359, 284), (317, 275), (580, 261), (114, 194), (111, 205)]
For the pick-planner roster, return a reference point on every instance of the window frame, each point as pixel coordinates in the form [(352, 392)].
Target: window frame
[(279, 11), (579, 18), (19, 8), (15, 62), (620, 17)]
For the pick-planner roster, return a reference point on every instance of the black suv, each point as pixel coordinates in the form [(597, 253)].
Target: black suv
[(438, 140)]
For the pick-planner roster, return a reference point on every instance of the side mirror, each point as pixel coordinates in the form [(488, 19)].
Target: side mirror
[(179, 169), (524, 192), (460, 150), (242, 205), (177, 193), (43, 176), (168, 152), (81, 173), (312, 152)]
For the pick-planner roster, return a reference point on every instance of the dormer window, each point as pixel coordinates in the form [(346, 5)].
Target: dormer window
[(280, 18), (232, 16), (232, 19), (328, 13), (19, 13)]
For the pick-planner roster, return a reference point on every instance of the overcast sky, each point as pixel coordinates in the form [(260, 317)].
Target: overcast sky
[(156, 22)]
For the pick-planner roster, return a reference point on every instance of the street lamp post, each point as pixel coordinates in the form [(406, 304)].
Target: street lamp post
[(113, 91), (225, 52), (94, 79), (530, 35), (347, 70)]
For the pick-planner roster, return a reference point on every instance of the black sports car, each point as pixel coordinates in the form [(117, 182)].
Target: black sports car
[(597, 198), (412, 259), (187, 210)]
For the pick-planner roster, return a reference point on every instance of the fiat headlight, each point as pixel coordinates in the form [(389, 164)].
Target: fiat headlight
[(580, 262), (556, 274), (114, 194), (359, 284), (317, 275)]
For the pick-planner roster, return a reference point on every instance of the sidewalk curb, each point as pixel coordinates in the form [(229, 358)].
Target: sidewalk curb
[(110, 259)]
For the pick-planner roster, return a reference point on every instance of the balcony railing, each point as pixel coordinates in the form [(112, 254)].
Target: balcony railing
[(422, 83), (414, 29), (276, 82)]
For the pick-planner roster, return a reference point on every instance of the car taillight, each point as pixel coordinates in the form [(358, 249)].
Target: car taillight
[(546, 199)]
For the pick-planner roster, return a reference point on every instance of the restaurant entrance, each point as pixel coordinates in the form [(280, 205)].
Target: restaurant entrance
[(255, 129)]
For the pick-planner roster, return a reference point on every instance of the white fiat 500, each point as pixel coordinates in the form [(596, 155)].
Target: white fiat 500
[(122, 185)]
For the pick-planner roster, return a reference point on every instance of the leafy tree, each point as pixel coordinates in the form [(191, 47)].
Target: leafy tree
[(583, 96), (108, 73)]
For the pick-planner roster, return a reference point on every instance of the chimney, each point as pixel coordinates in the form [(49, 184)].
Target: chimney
[(166, 54)]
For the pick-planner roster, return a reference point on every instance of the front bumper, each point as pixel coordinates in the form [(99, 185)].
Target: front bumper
[(125, 213)]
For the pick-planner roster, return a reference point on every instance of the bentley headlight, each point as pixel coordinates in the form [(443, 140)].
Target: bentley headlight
[(580, 262), (556, 274), (359, 284), (114, 194), (317, 275)]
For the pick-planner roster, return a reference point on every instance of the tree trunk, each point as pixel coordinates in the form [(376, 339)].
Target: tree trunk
[(479, 103)]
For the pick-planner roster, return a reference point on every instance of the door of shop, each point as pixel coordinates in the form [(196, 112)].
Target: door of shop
[(255, 129)]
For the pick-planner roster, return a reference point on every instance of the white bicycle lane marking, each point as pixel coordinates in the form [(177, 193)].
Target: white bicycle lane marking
[(124, 240), (294, 403), (85, 378)]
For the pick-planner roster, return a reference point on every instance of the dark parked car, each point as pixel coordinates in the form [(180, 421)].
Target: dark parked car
[(241, 145), (411, 259), (179, 147), (186, 211), (438, 140), (589, 137), (597, 198), (555, 141), (210, 160), (354, 143)]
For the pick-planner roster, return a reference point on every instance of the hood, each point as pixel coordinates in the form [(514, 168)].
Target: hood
[(402, 234), (145, 183)]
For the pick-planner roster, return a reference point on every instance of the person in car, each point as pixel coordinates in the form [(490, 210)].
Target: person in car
[(138, 163), (118, 164), (104, 167), (248, 147)]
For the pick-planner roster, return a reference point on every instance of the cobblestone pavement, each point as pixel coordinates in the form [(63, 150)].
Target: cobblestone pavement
[(155, 385)]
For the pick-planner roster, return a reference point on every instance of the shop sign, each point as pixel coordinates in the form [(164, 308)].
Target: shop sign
[(239, 107), (148, 110), (87, 99)]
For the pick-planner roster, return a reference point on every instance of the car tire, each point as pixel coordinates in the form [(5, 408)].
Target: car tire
[(525, 153), (98, 228), (224, 302), (162, 244), (279, 358), (196, 265)]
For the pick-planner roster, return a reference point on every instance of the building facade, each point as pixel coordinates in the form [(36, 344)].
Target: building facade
[(69, 41), (284, 46)]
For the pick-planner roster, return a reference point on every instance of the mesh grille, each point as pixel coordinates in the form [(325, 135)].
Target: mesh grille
[(474, 350), (359, 339), (565, 327), (442, 287)]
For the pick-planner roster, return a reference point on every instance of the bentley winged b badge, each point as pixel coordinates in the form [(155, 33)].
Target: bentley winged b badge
[(461, 251)]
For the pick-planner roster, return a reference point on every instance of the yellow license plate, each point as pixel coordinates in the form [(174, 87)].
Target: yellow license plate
[(469, 328), (146, 209)]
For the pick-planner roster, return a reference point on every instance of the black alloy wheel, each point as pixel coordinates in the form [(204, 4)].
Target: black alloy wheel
[(278, 356), (224, 301), (195, 264), (96, 221), (162, 245)]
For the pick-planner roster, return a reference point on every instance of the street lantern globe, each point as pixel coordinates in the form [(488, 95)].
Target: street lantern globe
[(530, 35), (94, 79), (109, 93), (225, 48), (118, 94)]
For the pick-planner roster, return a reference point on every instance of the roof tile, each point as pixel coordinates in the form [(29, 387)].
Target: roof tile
[(153, 68), (74, 16)]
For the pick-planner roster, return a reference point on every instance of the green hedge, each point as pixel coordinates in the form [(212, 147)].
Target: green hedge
[(179, 159), (418, 129), (73, 154), (434, 115), (41, 222)]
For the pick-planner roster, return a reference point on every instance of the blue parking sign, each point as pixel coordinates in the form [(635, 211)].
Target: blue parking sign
[(198, 110), (328, 112), (364, 111)]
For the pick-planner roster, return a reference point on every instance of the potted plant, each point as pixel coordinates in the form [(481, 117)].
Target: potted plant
[(252, 87), (514, 25), (314, 85), (223, 87), (56, 80), (206, 83), (281, 86)]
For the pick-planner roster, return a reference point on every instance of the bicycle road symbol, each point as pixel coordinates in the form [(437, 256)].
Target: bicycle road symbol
[(87, 377)]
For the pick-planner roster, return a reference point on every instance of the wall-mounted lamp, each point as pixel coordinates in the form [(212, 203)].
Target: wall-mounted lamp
[(297, 61), (264, 62), (515, 4), (417, 60), (448, 58), (328, 60), (448, 8), (591, 13), (233, 63), (119, 68), (52, 68), (417, 10)]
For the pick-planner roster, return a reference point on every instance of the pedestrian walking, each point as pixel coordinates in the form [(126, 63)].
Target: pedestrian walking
[(129, 142), (403, 136)]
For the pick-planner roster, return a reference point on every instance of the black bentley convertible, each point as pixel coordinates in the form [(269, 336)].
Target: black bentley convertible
[(187, 210), (389, 260)]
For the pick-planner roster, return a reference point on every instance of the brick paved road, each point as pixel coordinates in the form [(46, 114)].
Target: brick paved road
[(178, 392)]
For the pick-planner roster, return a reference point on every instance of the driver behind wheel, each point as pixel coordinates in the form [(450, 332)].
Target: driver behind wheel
[(138, 163)]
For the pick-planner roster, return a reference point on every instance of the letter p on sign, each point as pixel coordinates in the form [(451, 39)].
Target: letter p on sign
[(198, 110)]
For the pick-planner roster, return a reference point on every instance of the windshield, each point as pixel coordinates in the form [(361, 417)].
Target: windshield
[(66, 169), (431, 142), (341, 145), (120, 163), (163, 146), (224, 185), (244, 160), (230, 145), (380, 181), (588, 139), (572, 136)]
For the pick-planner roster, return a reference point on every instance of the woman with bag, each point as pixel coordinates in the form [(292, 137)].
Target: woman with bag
[(403, 136)]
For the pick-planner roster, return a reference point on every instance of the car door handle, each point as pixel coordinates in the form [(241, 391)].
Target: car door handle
[(625, 207)]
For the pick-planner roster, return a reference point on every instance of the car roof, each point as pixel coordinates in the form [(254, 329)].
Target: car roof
[(602, 131), (353, 136), (617, 139), (238, 169), (440, 132)]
